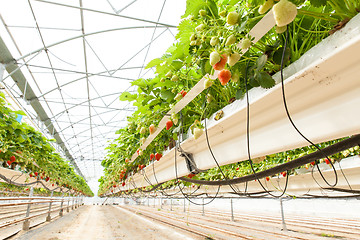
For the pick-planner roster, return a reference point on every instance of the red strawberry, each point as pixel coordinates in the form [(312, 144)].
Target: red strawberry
[(114, 186), (237, 169), (52, 184), (152, 156), (123, 184), (221, 64), (158, 156), (47, 179), (267, 179), (283, 174), (127, 160), (183, 93), (30, 175), (12, 159), (9, 163), (191, 175), (224, 76), (313, 163), (169, 124), (327, 161), (36, 174)]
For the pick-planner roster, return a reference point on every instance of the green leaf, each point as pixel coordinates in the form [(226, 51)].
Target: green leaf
[(126, 96), (167, 95), (239, 94), (193, 7), (153, 63), (264, 79), (261, 61), (318, 3)]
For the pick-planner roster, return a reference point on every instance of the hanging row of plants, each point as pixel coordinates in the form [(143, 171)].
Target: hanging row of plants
[(24, 149), (211, 36), (9, 190)]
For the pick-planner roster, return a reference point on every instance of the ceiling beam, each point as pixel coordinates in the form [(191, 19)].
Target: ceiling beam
[(8, 60)]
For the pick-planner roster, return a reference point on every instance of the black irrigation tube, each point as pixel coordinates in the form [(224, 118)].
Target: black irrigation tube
[(9, 181), (333, 149)]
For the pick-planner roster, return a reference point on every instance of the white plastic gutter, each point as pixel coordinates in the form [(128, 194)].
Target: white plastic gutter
[(323, 96)]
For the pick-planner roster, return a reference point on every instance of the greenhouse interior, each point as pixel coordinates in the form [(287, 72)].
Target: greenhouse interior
[(179, 119)]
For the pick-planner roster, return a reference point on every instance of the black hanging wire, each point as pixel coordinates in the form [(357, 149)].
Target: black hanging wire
[(166, 194), (248, 140), (187, 195), (293, 124), (213, 156), (162, 190), (176, 172)]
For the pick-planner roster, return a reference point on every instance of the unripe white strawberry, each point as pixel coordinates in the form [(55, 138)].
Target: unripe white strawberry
[(207, 83), (197, 132), (233, 59), (280, 30), (214, 58), (202, 13), (142, 140), (175, 78), (232, 18), (169, 74), (245, 43), (143, 130), (200, 28), (230, 40), (266, 6), (178, 96), (284, 12), (174, 118), (345, 153), (214, 41)]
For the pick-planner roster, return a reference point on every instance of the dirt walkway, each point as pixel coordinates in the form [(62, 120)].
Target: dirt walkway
[(103, 223)]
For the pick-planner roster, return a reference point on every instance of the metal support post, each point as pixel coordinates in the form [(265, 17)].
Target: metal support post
[(26, 224), (48, 217), (161, 202), (61, 213), (72, 204), (282, 215), (203, 207), (148, 200), (184, 204), (232, 210), (170, 204), (67, 209)]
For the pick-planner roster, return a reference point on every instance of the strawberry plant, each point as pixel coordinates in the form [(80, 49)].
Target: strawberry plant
[(211, 36)]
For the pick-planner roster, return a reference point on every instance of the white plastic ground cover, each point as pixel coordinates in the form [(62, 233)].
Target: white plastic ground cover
[(322, 92), (22, 178), (257, 32)]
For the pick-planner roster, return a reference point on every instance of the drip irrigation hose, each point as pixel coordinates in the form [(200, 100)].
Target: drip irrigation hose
[(330, 150), (292, 122), (248, 141), (176, 174)]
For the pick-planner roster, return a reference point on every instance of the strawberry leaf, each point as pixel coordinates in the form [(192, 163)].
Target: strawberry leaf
[(265, 80), (318, 3)]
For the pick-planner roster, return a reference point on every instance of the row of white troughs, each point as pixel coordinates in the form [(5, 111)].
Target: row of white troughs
[(322, 93), (22, 213)]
